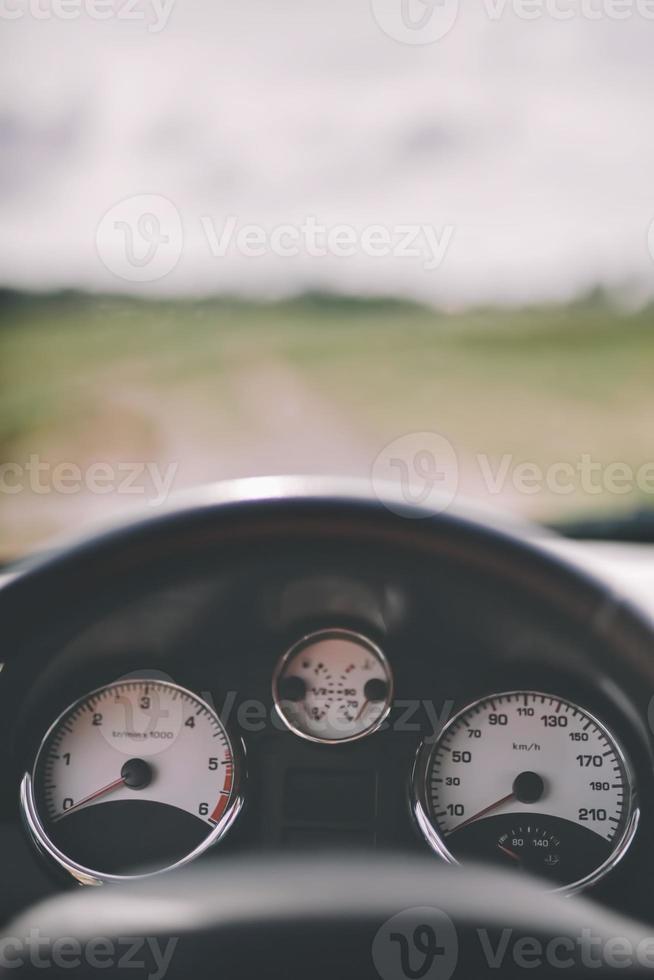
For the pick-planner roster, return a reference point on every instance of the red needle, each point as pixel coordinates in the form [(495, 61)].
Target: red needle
[(92, 796), (362, 709), (482, 813), (510, 853)]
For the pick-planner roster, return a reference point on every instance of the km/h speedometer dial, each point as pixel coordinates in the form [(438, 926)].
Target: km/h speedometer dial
[(136, 777), (529, 781)]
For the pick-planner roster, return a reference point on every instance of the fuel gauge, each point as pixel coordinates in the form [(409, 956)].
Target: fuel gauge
[(333, 686)]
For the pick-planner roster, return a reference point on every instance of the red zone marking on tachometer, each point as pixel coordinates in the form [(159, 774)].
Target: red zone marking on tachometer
[(225, 794)]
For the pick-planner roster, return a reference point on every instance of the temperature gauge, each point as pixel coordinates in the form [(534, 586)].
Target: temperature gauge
[(333, 686)]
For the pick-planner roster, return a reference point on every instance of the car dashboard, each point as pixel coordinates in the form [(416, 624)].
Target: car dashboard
[(312, 687)]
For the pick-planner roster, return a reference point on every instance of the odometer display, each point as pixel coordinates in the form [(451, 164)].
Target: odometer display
[(530, 781), (134, 778)]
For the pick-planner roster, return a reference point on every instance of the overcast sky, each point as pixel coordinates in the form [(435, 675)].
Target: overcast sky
[(526, 145)]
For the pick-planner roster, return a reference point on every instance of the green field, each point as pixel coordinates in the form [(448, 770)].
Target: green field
[(227, 386)]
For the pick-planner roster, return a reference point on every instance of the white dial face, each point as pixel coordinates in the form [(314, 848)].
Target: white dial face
[(333, 686), (526, 779), (134, 754)]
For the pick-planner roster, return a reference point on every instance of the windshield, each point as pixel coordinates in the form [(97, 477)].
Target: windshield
[(396, 240)]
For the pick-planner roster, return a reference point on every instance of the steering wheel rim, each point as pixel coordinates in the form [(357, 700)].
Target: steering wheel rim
[(264, 511), (341, 915)]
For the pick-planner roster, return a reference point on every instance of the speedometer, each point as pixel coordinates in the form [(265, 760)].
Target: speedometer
[(136, 777), (530, 781)]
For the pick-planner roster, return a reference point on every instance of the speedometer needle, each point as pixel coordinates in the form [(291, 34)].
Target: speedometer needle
[(509, 853), (482, 813), (92, 796)]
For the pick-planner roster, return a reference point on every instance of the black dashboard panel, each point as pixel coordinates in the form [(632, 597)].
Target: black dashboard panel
[(211, 599)]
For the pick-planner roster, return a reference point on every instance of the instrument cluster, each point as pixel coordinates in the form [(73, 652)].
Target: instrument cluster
[(144, 775)]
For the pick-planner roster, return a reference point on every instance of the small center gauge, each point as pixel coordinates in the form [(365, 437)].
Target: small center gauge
[(333, 686)]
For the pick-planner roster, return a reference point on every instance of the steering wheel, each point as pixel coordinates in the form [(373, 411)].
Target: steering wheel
[(332, 917), (339, 915)]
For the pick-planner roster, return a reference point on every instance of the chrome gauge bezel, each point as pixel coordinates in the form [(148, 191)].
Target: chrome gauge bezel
[(325, 634), (89, 876), (420, 805)]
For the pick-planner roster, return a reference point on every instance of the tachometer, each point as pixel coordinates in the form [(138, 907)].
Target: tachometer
[(137, 777), (529, 781)]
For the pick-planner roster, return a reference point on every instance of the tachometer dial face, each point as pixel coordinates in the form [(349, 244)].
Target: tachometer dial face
[(136, 777), (529, 781), (333, 686)]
